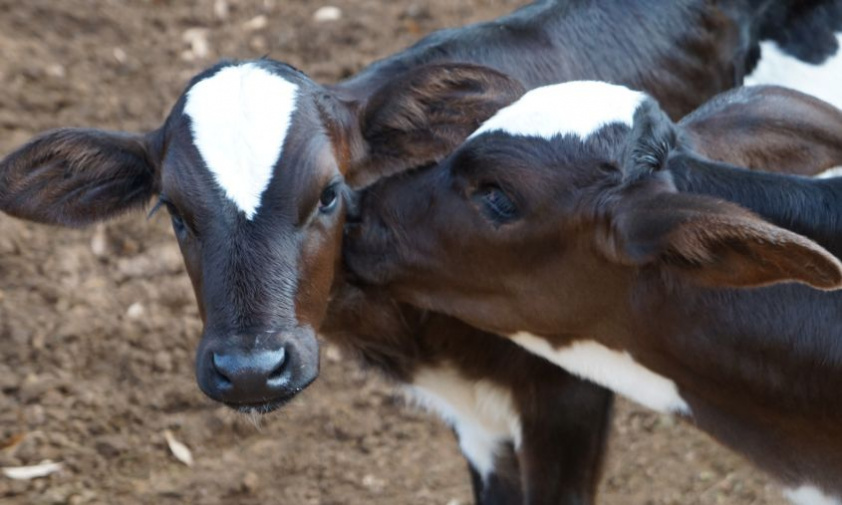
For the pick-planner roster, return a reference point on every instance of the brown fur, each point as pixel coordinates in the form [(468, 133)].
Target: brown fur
[(605, 247), (769, 128)]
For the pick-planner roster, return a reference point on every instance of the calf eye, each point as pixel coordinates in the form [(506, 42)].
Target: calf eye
[(178, 224), (495, 203), (329, 199)]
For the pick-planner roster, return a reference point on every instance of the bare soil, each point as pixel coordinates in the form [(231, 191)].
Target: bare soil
[(98, 326)]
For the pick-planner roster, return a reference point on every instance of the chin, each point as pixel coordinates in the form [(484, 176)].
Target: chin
[(261, 408)]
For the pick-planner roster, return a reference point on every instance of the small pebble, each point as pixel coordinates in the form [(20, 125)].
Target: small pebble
[(250, 482), (256, 23), (56, 70), (120, 55), (327, 13), (135, 311), (197, 38), (220, 9), (373, 483), (99, 241)]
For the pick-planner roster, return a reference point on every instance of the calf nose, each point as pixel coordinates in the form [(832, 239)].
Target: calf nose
[(249, 377)]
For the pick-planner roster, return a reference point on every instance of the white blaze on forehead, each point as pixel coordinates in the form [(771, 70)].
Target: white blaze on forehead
[(571, 108), (614, 370), (239, 118), (822, 81)]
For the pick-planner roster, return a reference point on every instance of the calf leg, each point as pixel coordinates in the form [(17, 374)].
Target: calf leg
[(503, 486), (566, 423)]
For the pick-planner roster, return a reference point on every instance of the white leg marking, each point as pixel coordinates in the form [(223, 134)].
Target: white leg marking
[(571, 108), (822, 81), (809, 495), (239, 119), (481, 412), (617, 371)]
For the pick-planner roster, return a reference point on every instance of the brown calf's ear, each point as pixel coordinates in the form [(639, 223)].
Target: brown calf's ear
[(718, 244), (425, 114), (768, 128), (74, 177)]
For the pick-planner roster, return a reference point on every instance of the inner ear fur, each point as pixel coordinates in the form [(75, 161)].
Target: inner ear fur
[(74, 177), (422, 116), (652, 138), (718, 244)]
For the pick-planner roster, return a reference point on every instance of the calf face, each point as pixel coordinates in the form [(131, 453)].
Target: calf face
[(541, 219), (254, 163)]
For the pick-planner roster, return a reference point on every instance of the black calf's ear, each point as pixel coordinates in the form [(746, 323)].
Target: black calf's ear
[(718, 244), (425, 114), (74, 177), (651, 140)]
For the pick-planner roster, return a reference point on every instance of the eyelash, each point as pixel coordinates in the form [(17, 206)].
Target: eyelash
[(178, 223), (155, 208), (179, 226), (496, 204)]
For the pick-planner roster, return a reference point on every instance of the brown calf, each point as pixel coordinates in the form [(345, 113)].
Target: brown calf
[(584, 235)]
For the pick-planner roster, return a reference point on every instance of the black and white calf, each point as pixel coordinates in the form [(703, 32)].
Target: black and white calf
[(802, 50)]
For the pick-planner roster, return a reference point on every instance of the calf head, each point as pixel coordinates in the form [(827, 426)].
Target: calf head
[(543, 218), (255, 164)]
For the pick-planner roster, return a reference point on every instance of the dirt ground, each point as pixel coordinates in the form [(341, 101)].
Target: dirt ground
[(98, 327)]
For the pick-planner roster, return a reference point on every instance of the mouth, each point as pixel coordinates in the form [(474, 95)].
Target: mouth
[(267, 407)]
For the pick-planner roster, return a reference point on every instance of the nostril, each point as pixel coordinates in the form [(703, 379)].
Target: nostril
[(253, 376), (280, 357), (222, 378), (278, 377)]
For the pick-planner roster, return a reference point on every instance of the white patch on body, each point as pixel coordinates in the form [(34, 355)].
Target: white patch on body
[(482, 413), (809, 495), (614, 370), (572, 108), (822, 81), (239, 119), (830, 173)]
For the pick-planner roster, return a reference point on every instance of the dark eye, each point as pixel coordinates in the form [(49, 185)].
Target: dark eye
[(495, 203), (329, 199), (178, 225)]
